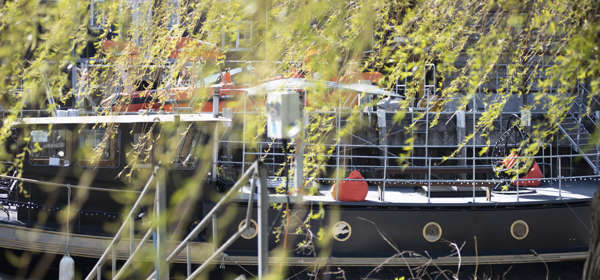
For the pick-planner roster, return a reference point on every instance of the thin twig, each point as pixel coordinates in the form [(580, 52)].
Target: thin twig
[(506, 272), (542, 260), (442, 272), (452, 244)]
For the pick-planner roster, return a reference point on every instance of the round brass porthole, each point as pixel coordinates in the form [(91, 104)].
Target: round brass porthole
[(432, 232), (519, 229), (251, 231), (341, 231)]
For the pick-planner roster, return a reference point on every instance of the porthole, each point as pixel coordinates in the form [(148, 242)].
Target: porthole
[(342, 231), (251, 231), (432, 232), (519, 229)]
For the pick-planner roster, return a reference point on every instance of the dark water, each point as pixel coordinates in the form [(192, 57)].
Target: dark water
[(45, 266)]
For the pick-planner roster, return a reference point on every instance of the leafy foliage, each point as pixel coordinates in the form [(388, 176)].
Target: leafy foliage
[(540, 49)]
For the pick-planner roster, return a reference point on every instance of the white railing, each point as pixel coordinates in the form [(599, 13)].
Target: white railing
[(129, 222), (255, 175)]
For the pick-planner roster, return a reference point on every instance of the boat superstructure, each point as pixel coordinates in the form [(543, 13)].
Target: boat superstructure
[(433, 190)]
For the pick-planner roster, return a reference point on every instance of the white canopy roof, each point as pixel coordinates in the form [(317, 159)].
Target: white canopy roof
[(134, 118), (298, 83)]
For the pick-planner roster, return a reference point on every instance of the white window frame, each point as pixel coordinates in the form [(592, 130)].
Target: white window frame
[(94, 23), (47, 160), (114, 146), (174, 17)]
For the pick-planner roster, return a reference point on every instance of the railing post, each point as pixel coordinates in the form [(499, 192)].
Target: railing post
[(263, 222), (244, 100), (131, 235), (188, 263), (215, 101), (518, 181), (474, 142), (551, 164), (428, 180), (427, 159), (382, 125), (559, 177), (161, 267), (385, 160), (215, 152), (118, 236), (579, 132), (299, 159), (215, 242), (113, 256)]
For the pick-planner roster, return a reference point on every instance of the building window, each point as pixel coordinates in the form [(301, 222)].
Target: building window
[(97, 19), (141, 19), (239, 38), (173, 9), (104, 147), (50, 147)]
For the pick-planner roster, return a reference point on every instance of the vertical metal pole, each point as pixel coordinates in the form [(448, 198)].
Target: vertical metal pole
[(557, 150), (543, 167), (427, 159), (215, 108), (518, 181), (68, 225), (131, 235), (188, 263), (551, 159), (99, 273), (244, 134), (474, 142), (428, 180), (559, 177), (382, 124), (337, 153), (113, 256), (578, 131), (461, 134), (215, 241), (385, 161), (259, 148), (161, 268), (263, 223), (299, 172), (571, 160), (215, 152)]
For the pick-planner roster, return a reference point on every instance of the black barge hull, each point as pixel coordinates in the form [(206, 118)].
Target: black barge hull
[(381, 231)]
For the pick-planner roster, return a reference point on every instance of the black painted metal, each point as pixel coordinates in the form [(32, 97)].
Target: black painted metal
[(553, 228)]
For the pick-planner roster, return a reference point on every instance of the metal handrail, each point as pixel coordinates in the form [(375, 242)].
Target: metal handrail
[(437, 157), (207, 218), (258, 183), (585, 156), (128, 220), (257, 173), (129, 261), (360, 145), (585, 90), (465, 181)]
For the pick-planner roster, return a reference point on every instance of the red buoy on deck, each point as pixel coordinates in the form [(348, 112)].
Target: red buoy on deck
[(351, 190), (535, 172)]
